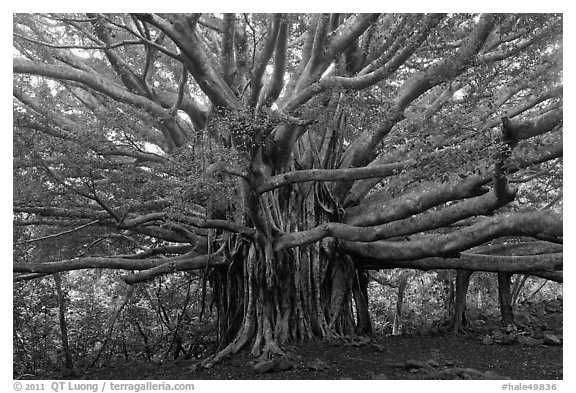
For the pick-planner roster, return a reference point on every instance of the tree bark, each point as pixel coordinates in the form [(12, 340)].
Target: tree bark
[(505, 298), (459, 319), (397, 325), (360, 288), (63, 324)]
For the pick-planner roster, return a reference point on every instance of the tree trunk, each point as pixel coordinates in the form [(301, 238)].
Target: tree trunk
[(288, 296), (360, 291), (63, 325), (505, 297), (448, 298), (459, 320), (397, 327), (265, 297)]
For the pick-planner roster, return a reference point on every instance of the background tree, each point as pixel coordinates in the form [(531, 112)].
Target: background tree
[(284, 155)]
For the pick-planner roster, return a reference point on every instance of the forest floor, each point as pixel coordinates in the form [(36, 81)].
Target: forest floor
[(530, 350)]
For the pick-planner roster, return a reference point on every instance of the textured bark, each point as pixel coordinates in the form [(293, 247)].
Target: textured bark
[(484, 204), (541, 265), (505, 298), (512, 224), (459, 319), (62, 307), (397, 325), (422, 198), (360, 288)]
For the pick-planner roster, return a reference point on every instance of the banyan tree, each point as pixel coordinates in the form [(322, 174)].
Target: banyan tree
[(284, 156)]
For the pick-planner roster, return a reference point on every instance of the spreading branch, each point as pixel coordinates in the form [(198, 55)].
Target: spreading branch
[(547, 225), (193, 263), (276, 82), (94, 81), (547, 265), (447, 68), (195, 57), (87, 263), (428, 220), (263, 58), (227, 55), (330, 175)]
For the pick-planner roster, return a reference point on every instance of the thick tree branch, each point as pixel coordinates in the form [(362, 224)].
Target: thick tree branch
[(365, 80), (195, 57), (429, 195), (418, 200), (216, 224), (361, 151), (263, 58), (127, 223), (526, 156), (447, 68), (519, 249), (516, 47), (313, 62), (545, 265), (428, 220), (93, 81), (521, 108), (362, 187), (501, 166), (536, 224), (54, 116), (552, 276), (152, 267), (70, 130), (188, 263), (331, 175), (276, 81), (529, 128), (124, 70), (195, 112), (227, 56), (304, 59), (540, 262), (87, 263), (179, 97), (348, 32), (318, 45)]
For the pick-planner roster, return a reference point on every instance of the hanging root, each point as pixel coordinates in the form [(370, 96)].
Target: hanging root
[(241, 339)]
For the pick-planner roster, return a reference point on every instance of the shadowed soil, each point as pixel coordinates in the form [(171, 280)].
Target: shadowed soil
[(483, 353)]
